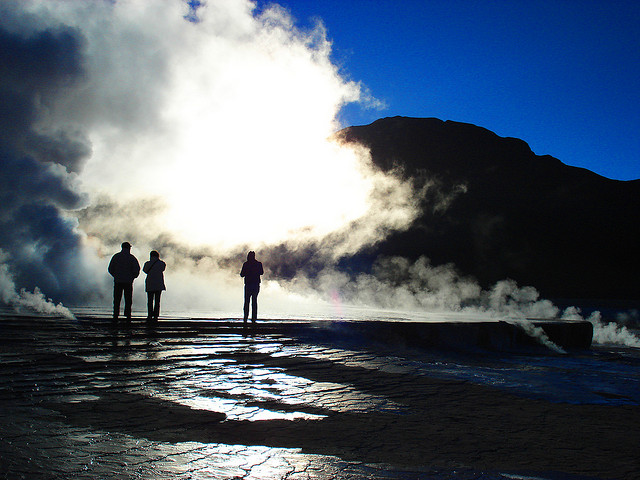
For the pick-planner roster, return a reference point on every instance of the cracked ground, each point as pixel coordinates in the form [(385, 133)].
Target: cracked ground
[(79, 399)]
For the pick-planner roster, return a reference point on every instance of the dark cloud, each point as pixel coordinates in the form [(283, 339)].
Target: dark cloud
[(34, 71), (40, 245), (27, 181), (40, 62)]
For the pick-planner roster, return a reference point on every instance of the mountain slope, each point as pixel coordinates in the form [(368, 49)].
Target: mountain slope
[(496, 210)]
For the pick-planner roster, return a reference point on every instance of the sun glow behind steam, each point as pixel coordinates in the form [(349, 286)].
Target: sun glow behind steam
[(246, 202), (195, 138), (238, 116)]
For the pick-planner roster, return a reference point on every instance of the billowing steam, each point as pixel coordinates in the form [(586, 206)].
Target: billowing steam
[(24, 300), (605, 332), (199, 131), (396, 284)]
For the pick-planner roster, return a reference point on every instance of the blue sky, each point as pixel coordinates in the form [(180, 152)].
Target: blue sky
[(562, 75)]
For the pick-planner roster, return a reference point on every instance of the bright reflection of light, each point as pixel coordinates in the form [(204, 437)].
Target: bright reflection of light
[(253, 392), (236, 411)]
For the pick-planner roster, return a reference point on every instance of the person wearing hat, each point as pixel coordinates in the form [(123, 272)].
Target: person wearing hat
[(124, 268)]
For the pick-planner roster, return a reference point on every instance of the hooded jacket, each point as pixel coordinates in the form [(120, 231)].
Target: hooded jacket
[(155, 275)]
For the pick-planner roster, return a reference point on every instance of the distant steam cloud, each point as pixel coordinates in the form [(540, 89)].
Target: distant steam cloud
[(397, 284), (605, 333)]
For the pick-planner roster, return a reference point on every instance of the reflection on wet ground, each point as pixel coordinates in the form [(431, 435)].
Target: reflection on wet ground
[(81, 400)]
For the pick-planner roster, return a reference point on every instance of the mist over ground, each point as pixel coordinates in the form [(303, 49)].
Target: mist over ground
[(201, 132)]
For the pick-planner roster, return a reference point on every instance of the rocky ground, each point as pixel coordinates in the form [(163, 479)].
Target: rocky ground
[(79, 399)]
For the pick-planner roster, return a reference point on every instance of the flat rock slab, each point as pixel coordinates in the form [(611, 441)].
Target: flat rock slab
[(517, 335)]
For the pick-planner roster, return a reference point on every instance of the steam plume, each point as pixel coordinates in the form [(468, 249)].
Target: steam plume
[(24, 301), (198, 128)]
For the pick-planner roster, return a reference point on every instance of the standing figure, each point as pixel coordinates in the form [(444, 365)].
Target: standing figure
[(154, 284), (251, 271), (124, 268)]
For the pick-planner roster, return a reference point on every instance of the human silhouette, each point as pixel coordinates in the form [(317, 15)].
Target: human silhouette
[(154, 285), (124, 268), (251, 271)]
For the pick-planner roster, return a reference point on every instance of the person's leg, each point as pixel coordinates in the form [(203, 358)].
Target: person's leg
[(247, 298), (149, 305), (117, 297), (254, 303), (156, 307), (128, 298)]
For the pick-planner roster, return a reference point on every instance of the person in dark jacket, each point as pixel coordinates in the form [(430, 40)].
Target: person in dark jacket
[(124, 268), (154, 285), (251, 271)]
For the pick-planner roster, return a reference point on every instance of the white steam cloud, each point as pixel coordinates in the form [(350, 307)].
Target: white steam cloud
[(200, 132), (224, 122), (605, 333), (23, 301)]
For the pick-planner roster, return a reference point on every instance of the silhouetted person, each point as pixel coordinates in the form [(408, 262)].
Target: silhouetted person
[(154, 284), (251, 271), (124, 268)]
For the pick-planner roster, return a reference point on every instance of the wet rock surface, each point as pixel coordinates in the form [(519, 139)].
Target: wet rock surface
[(83, 400)]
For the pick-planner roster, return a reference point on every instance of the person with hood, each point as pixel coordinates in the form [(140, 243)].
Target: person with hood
[(124, 268), (251, 271), (154, 284)]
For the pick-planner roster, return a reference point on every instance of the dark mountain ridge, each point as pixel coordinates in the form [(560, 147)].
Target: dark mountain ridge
[(497, 210)]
